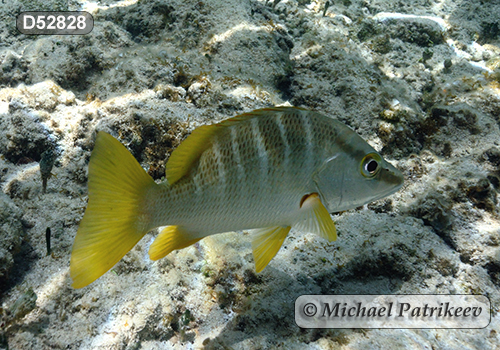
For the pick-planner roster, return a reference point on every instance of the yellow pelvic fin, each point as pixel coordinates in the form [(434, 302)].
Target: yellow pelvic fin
[(169, 239), (190, 150), (266, 244), (114, 220), (315, 218)]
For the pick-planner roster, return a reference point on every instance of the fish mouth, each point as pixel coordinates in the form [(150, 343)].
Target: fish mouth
[(389, 181)]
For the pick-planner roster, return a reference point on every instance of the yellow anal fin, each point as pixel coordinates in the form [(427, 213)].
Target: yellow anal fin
[(314, 218), (266, 244), (115, 219), (169, 239)]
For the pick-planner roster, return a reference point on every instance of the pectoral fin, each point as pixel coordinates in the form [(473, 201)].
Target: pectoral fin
[(315, 218), (266, 244), (171, 238)]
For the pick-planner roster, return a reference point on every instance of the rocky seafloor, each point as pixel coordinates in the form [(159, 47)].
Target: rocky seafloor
[(419, 80)]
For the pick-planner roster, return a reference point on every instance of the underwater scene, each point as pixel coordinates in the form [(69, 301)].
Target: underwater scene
[(185, 173)]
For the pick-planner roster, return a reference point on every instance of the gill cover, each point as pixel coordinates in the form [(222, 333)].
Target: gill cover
[(328, 179)]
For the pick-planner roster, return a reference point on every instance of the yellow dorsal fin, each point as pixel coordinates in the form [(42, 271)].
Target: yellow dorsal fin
[(266, 244), (191, 149), (188, 152), (169, 239), (314, 218)]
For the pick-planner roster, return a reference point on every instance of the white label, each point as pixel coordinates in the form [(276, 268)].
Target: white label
[(392, 311)]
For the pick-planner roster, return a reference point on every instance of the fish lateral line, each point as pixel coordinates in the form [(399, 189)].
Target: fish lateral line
[(217, 182)]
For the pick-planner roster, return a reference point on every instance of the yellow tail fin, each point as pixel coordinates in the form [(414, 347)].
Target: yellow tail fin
[(115, 219)]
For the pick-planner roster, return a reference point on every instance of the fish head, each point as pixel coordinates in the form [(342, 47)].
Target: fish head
[(346, 180)]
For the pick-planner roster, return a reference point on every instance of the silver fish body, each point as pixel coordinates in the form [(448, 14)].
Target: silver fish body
[(268, 170), (255, 172)]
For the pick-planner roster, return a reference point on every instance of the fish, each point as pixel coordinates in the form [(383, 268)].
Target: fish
[(265, 171)]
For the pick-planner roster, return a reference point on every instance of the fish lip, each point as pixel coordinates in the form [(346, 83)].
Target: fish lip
[(396, 178), (392, 190), (384, 194)]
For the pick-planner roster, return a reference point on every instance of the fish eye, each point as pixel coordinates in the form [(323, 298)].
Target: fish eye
[(370, 165)]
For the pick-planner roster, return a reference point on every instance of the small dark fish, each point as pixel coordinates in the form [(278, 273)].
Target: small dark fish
[(47, 239), (46, 164)]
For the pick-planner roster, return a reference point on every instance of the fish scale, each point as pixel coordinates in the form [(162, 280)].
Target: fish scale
[(266, 171), (264, 190)]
